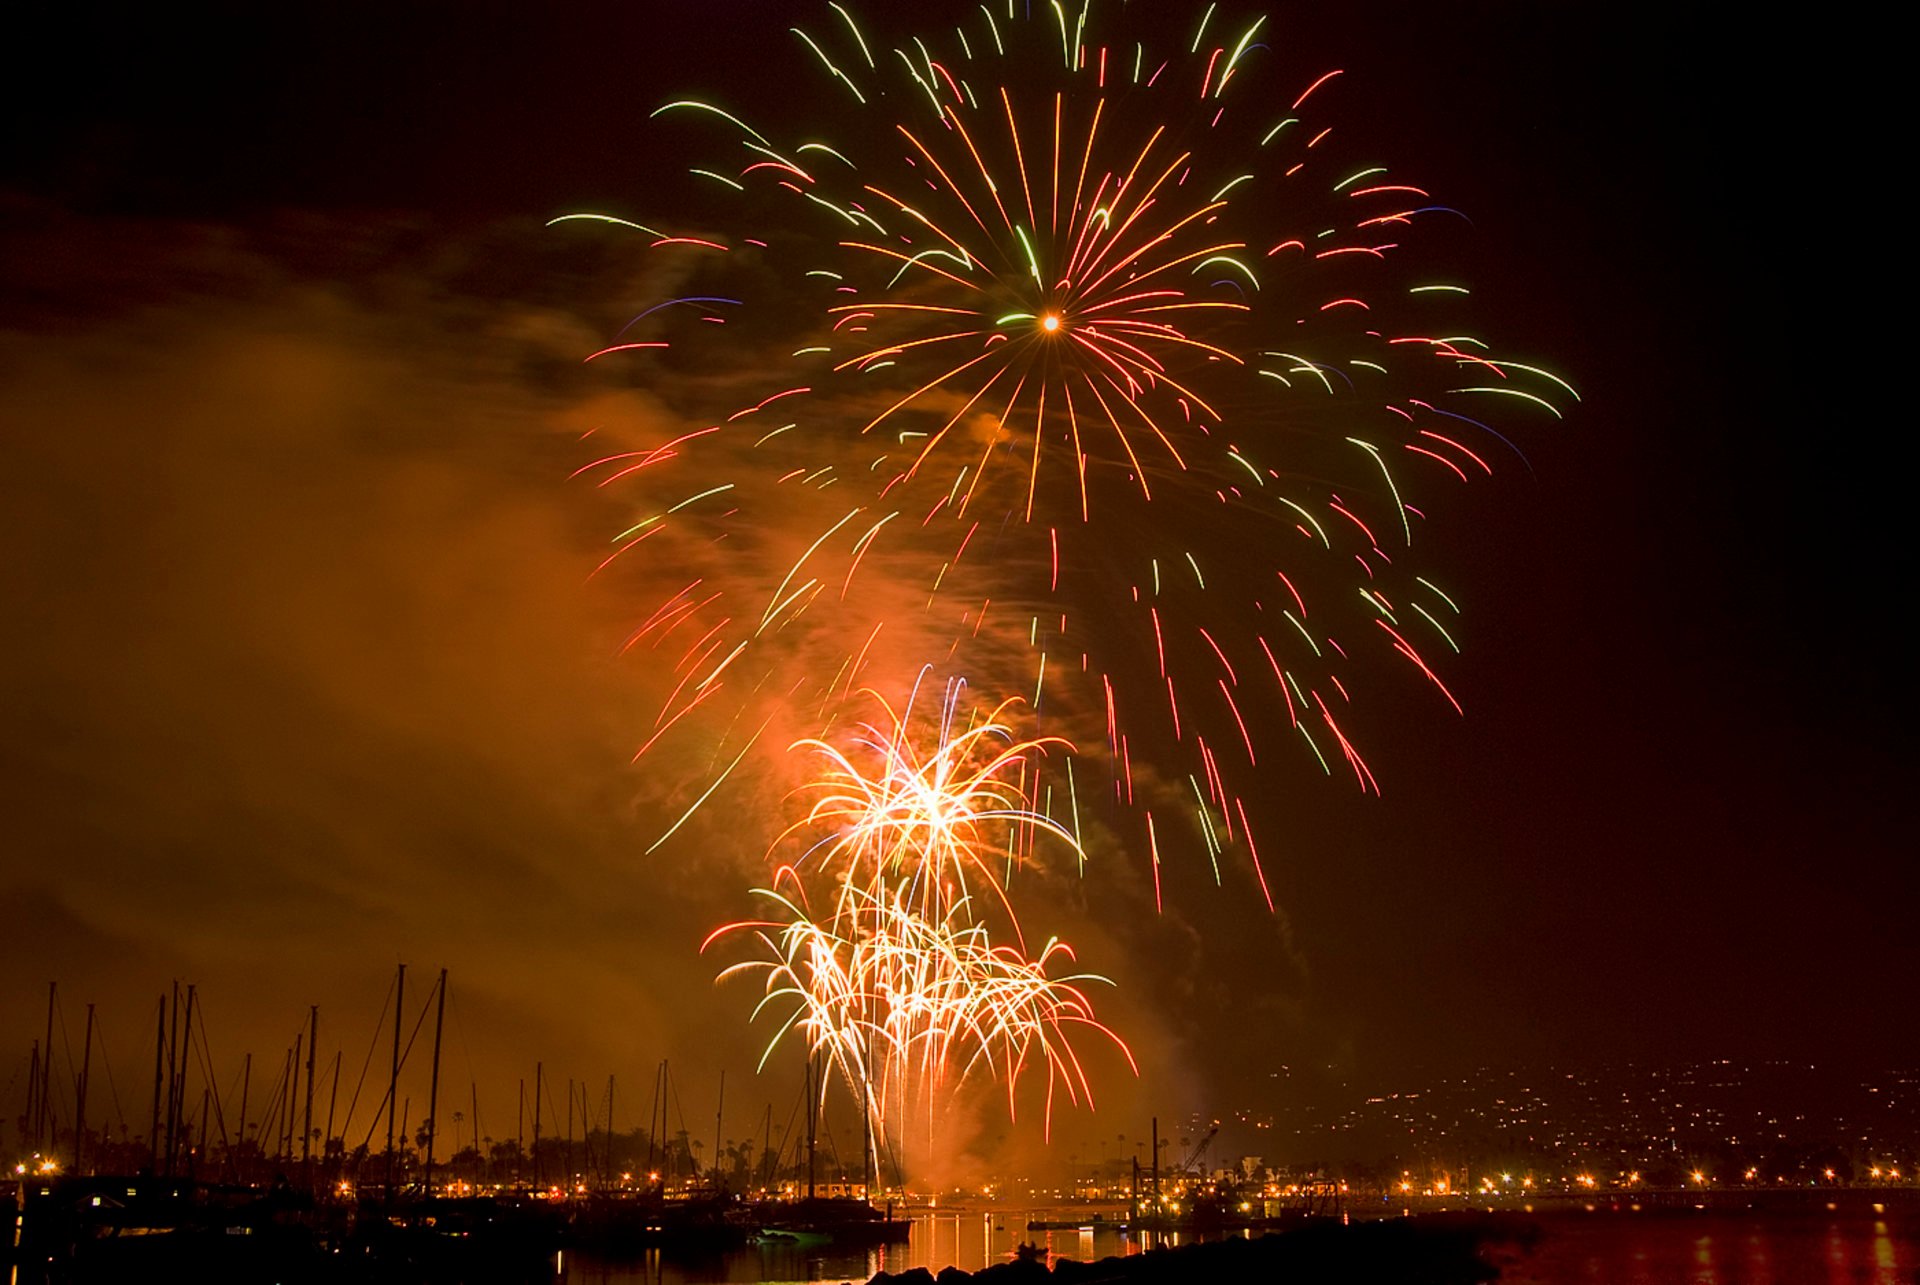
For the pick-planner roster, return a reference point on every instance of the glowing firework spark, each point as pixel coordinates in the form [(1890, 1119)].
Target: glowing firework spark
[(904, 1005), (1109, 378), (899, 981), (926, 825)]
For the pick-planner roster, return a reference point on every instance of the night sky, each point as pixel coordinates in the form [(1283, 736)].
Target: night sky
[(302, 675)]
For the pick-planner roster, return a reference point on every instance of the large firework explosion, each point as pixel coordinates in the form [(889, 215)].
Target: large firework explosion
[(934, 822), (1114, 380)]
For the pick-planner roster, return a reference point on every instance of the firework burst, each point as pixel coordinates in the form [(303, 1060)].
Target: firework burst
[(1113, 373), (1112, 380), (907, 1009), (931, 823), (898, 978)]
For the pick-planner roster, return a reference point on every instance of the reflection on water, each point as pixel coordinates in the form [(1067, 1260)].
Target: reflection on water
[(1701, 1248), (1652, 1248), (969, 1240)]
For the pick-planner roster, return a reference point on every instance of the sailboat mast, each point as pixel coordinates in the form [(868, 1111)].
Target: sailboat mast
[(293, 1092), (43, 1117), (333, 1100), (283, 1110), (653, 1129), (1155, 1197), (246, 1083), (194, 1153), (586, 1134), (606, 1181), (306, 1122), (393, 1081), (766, 1140), (185, 1135), (80, 1112), (30, 1121), (186, 1063), (866, 1118), (159, 1057), (812, 1136), (173, 1070), (433, 1089), (539, 1073)]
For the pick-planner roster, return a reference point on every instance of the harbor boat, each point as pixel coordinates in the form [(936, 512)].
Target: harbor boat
[(615, 1225), (1095, 1222), (842, 1219), (120, 1228), (440, 1238), (837, 1220)]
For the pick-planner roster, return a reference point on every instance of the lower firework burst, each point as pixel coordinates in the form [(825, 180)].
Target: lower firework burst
[(909, 1009), (898, 976)]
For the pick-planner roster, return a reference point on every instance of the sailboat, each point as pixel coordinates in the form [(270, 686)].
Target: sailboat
[(841, 1220)]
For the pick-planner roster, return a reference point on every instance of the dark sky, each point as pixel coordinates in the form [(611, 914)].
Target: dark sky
[(302, 679)]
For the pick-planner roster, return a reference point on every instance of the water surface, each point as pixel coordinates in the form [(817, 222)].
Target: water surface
[(1601, 1248)]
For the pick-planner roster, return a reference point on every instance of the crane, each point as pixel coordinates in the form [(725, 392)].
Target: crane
[(1199, 1150)]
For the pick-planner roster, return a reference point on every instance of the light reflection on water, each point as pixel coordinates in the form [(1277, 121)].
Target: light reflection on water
[(1718, 1249), (969, 1240), (1690, 1248)]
